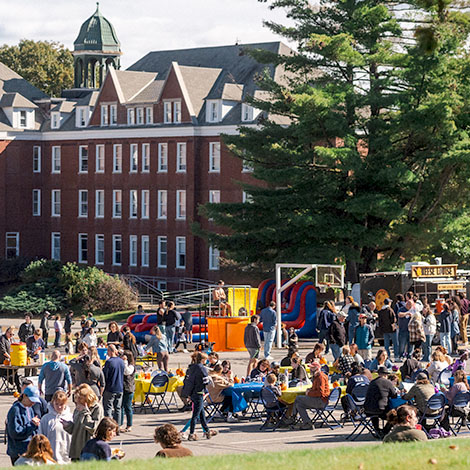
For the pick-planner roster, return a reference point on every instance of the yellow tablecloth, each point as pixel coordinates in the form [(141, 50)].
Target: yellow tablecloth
[(142, 387), (288, 396)]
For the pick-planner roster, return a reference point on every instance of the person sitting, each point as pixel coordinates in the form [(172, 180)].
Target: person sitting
[(376, 404), (404, 421), (39, 452), (316, 355), (215, 389), (212, 360), (357, 378), (460, 385), (271, 400), (285, 362), (444, 352), (437, 365), (316, 396), (380, 360), (345, 362), (292, 338), (298, 372), (260, 371), (98, 447), (421, 392), (411, 365), (355, 354), (169, 439), (460, 363), (227, 370), (275, 369)]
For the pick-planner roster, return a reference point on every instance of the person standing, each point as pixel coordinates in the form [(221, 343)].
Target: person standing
[(388, 327), (172, 317), (337, 334), (404, 317), (429, 325), (58, 331), (55, 375), (159, 346), (114, 384), (268, 317), (252, 340), (188, 324), (353, 311), (364, 338), (5, 348), (325, 318), (129, 389), (68, 323), (416, 331), (445, 327), (464, 312), (34, 345), (45, 326), (26, 329)]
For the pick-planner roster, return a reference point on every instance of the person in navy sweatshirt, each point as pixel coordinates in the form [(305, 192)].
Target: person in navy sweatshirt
[(113, 371)]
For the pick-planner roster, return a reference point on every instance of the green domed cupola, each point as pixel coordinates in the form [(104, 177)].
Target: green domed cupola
[(96, 48)]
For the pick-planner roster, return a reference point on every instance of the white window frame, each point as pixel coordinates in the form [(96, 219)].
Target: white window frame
[(181, 157), (55, 247), (12, 236), (117, 214), (139, 116), (130, 116), (99, 253), (82, 119), (83, 159), (145, 158), (162, 157), (82, 203), (81, 258), (180, 251), (104, 115), (162, 204), (99, 203), (167, 112), (55, 159), (133, 158), (145, 251), (162, 255), (113, 114), (133, 203), (214, 196), (22, 119), (162, 285), (36, 159), (177, 112), (99, 158), (117, 158), (133, 250), (248, 112), (55, 203), (117, 238), (213, 111), (145, 204), (214, 157), (180, 204), (55, 120), (36, 202), (149, 115), (247, 198), (214, 256)]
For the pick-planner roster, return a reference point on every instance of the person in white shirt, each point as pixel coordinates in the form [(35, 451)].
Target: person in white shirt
[(90, 339)]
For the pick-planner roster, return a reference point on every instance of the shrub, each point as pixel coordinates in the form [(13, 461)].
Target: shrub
[(41, 269), (10, 269)]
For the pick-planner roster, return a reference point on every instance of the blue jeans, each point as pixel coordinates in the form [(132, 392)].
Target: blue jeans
[(170, 336), (391, 337), (427, 348), (198, 413), (446, 341), (268, 342), (404, 342), (336, 350), (323, 336), (112, 403), (57, 339), (351, 333), (127, 408)]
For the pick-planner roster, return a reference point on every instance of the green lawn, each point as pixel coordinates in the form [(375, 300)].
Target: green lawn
[(409, 456), (116, 316)]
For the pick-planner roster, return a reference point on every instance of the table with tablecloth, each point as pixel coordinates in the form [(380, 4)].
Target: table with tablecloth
[(289, 395), (142, 387), (242, 393)]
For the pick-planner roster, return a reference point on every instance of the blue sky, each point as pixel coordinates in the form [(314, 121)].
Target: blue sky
[(141, 25)]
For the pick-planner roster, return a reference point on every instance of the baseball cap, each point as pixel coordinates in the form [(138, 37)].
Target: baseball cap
[(342, 314), (32, 393), (362, 316)]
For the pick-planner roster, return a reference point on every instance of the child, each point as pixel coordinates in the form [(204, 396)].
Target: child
[(78, 341), (271, 394), (98, 447), (51, 427), (101, 343), (39, 452), (293, 339), (68, 343), (181, 338)]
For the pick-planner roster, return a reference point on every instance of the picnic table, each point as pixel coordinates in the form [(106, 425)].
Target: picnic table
[(7, 383), (142, 386), (242, 393), (289, 395)]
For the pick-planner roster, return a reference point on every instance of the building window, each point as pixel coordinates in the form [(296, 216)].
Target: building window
[(99, 162), (214, 255), (117, 204), (145, 158), (162, 204), (55, 120), (248, 198), (212, 111), (214, 157), (131, 116), (247, 167), (181, 252), (149, 115), (113, 114), (83, 159), (132, 250), (181, 157), (23, 120), (36, 202), (145, 255), (83, 203), (117, 250), (134, 158), (36, 159), (99, 249), (99, 203), (247, 112), (140, 116), (162, 158), (104, 115), (162, 252), (167, 112), (82, 248), (55, 246), (12, 245), (177, 111), (161, 285), (214, 196), (55, 203), (55, 159), (145, 203), (133, 204), (82, 116), (181, 205), (117, 158)]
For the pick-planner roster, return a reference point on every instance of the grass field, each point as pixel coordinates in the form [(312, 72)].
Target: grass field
[(116, 316), (411, 456)]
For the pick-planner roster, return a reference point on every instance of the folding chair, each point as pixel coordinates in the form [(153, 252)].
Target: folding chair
[(326, 413), (461, 400), (444, 377), (154, 400), (274, 414), (210, 407), (359, 393), (434, 411), (359, 419), (415, 374)]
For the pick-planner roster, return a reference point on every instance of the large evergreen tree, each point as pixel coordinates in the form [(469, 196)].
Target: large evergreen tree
[(377, 149)]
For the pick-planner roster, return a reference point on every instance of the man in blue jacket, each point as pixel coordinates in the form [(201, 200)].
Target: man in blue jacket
[(113, 371), (269, 319), (364, 338), (56, 376)]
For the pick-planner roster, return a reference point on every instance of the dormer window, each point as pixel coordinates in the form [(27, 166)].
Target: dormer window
[(140, 116), (131, 117), (247, 112), (104, 115), (23, 120), (213, 111), (113, 114), (149, 115), (55, 120), (82, 115), (171, 112)]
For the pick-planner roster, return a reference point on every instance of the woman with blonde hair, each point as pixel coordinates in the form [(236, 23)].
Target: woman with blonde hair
[(159, 345), (438, 364), (88, 413), (39, 452)]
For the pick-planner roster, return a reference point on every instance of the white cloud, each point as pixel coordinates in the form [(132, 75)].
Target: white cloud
[(141, 25)]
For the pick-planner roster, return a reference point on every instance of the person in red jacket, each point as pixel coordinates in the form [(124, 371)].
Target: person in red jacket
[(316, 396)]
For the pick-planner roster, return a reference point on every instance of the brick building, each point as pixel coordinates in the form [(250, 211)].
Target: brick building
[(113, 176)]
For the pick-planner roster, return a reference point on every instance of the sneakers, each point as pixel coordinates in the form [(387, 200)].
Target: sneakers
[(210, 433), (193, 437), (231, 419), (269, 358)]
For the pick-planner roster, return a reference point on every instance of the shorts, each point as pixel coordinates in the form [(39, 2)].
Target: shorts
[(188, 328), (253, 352)]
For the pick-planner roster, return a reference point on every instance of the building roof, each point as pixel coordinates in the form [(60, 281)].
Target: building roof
[(11, 82), (15, 100), (97, 34), (131, 84), (150, 94)]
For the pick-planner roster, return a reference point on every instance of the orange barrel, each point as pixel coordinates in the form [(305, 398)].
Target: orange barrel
[(18, 354)]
